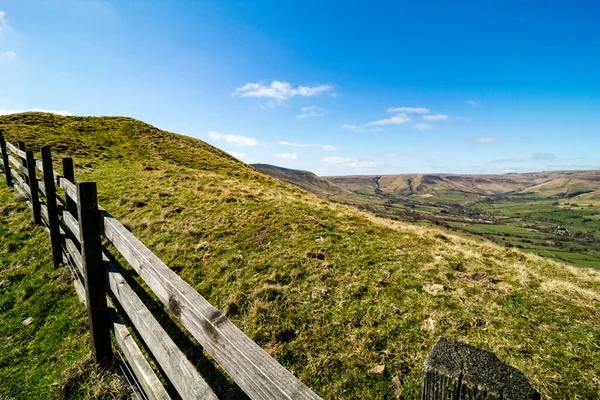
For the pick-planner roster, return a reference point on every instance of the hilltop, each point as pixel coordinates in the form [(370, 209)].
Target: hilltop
[(328, 290)]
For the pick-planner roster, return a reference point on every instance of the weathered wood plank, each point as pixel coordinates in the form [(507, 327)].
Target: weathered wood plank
[(142, 370), (23, 186), (94, 272), (257, 373), (69, 176), (75, 255), (69, 188), (177, 367), (39, 165), (17, 165), (72, 225), (16, 151), (80, 290)]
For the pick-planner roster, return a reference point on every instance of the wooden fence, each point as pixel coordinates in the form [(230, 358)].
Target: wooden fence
[(77, 226)]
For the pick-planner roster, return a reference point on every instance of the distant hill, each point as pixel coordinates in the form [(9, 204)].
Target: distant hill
[(303, 179), (546, 183)]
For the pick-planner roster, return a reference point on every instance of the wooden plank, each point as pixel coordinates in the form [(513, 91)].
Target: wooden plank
[(34, 189), (23, 186), (180, 371), (80, 290), (74, 254), (6, 165), (17, 165), (17, 152), (69, 189), (69, 176), (257, 373), (49, 190), (94, 272), (142, 370), (72, 225), (39, 165)]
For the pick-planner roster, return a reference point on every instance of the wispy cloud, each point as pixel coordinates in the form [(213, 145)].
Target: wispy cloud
[(423, 127), (350, 162), (58, 112), (235, 154), (485, 139), (324, 147), (510, 160), (355, 128), (543, 157), (407, 153), (287, 156), (237, 140), (311, 111), (280, 91), (472, 103), (4, 26), (408, 110), (436, 117), (399, 119), (8, 54)]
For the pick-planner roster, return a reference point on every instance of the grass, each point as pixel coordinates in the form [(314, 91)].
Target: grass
[(329, 291), (43, 329)]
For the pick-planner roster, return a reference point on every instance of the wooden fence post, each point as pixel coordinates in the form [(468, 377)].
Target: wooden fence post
[(69, 174), (49, 184), (7, 174), (459, 371), (34, 187), (94, 272)]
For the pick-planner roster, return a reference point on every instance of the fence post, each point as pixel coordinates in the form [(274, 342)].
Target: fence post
[(458, 371), (7, 174), (23, 148), (69, 174), (94, 272), (34, 188), (51, 205)]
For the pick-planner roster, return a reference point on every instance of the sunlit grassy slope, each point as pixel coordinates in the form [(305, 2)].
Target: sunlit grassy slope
[(330, 292)]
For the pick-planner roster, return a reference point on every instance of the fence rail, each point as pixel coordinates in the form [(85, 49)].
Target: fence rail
[(77, 225)]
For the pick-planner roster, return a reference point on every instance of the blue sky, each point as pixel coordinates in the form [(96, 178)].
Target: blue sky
[(335, 88)]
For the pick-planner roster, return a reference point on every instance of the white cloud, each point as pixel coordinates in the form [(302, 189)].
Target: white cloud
[(350, 162), (355, 128), (543, 157), (436, 117), (311, 111), (287, 156), (422, 127), (395, 120), (509, 160), (324, 147), (409, 110), (237, 140), (485, 139), (58, 112), (9, 54), (235, 154), (472, 103), (4, 27), (280, 91)]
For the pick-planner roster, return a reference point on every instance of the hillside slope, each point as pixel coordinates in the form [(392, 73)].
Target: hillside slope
[(303, 179), (330, 292)]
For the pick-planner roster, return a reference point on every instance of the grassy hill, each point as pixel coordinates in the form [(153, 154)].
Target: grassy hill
[(329, 291)]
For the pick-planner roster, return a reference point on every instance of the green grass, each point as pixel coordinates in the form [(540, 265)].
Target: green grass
[(48, 358), (329, 291)]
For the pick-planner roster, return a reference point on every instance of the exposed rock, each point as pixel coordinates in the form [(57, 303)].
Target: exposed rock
[(5, 283), (27, 321), (434, 288), (397, 386), (320, 239), (378, 369)]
